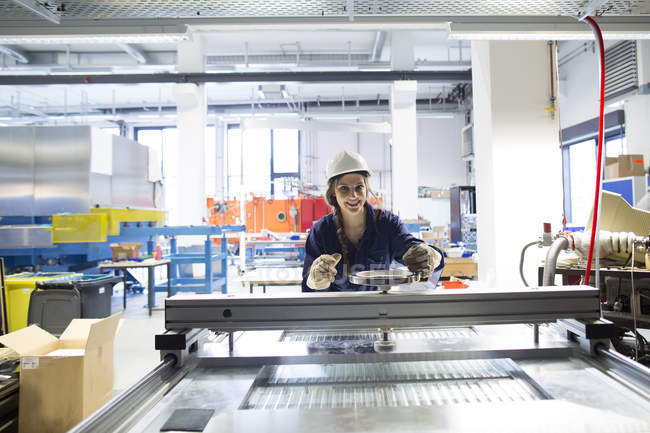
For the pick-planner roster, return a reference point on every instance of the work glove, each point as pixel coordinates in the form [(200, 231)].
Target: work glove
[(323, 271), (423, 259)]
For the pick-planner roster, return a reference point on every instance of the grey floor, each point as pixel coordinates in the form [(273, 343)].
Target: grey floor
[(134, 344)]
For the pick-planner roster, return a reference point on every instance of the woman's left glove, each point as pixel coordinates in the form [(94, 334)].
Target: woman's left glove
[(421, 258)]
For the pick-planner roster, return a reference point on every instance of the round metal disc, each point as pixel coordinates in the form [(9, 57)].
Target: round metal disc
[(389, 277)]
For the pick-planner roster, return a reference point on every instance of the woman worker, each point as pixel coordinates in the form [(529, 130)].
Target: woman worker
[(357, 236)]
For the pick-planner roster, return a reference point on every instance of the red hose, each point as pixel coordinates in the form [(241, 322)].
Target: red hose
[(594, 219)]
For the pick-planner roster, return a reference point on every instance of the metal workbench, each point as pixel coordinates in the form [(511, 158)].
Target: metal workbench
[(457, 366)]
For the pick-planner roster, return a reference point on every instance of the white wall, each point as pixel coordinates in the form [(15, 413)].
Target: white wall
[(518, 161)]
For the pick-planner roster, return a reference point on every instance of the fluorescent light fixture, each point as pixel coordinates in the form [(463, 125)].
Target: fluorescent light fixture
[(544, 32), (95, 39), (434, 115), (39, 9)]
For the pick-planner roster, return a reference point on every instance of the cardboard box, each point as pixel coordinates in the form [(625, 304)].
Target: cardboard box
[(611, 168), (630, 165), (624, 166), (63, 380)]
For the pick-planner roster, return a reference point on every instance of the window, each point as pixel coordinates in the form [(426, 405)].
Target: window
[(582, 163), (615, 146), (579, 155), (269, 161), (285, 173)]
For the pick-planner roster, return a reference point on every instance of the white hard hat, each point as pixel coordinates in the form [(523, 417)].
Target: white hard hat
[(346, 162)]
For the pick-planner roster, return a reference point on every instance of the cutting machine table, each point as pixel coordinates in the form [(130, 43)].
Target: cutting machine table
[(491, 360)]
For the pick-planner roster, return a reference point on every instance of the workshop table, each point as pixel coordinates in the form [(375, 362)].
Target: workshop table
[(272, 277), (149, 265)]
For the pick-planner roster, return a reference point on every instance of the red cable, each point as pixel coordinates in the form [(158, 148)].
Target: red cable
[(594, 219)]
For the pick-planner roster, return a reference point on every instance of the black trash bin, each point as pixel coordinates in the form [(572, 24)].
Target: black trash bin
[(54, 309), (95, 292)]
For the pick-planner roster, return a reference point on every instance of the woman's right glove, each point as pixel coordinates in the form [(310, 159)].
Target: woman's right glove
[(323, 271)]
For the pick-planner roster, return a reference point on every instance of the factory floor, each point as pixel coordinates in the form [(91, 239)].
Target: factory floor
[(134, 344)]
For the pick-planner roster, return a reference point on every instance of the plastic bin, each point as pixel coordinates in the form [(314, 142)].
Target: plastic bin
[(95, 292), (18, 288), (54, 309)]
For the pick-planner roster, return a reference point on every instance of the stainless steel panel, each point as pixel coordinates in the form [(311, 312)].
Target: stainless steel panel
[(25, 236), (100, 190), (17, 171), (61, 169), (130, 185)]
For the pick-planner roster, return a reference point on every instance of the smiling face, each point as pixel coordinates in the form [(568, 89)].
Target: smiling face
[(351, 193)]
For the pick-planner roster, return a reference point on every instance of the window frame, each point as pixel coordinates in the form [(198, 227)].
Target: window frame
[(614, 127)]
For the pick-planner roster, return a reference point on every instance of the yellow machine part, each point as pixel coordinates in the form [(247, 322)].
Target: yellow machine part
[(18, 290), (116, 216), (79, 227)]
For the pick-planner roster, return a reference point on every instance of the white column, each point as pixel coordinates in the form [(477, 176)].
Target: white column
[(517, 155), (404, 149), (221, 160), (191, 106)]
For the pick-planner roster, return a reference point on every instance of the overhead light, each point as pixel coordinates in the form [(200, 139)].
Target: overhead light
[(95, 39), (434, 115), (544, 32), (39, 9)]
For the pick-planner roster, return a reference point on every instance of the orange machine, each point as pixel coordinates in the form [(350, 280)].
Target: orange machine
[(276, 215)]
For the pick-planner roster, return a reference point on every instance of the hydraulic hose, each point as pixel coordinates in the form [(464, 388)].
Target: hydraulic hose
[(550, 263), (599, 169)]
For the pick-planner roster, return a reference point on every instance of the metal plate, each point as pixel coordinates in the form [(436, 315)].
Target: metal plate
[(389, 277), (398, 384)]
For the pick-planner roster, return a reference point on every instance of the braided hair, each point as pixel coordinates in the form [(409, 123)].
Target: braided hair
[(330, 196)]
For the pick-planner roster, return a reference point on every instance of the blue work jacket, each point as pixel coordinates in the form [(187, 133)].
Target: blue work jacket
[(377, 248)]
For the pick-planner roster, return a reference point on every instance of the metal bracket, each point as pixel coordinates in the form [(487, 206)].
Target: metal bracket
[(179, 344), (588, 333)]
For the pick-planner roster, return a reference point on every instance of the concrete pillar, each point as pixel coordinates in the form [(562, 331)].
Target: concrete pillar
[(404, 149), (517, 156), (191, 106)]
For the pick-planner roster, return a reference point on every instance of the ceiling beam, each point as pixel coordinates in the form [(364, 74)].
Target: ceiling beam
[(132, 51), (17, 55), (248, 77), (39, 9)]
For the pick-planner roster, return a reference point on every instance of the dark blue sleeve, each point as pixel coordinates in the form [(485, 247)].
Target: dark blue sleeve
[(401, 240), (312, 250)]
